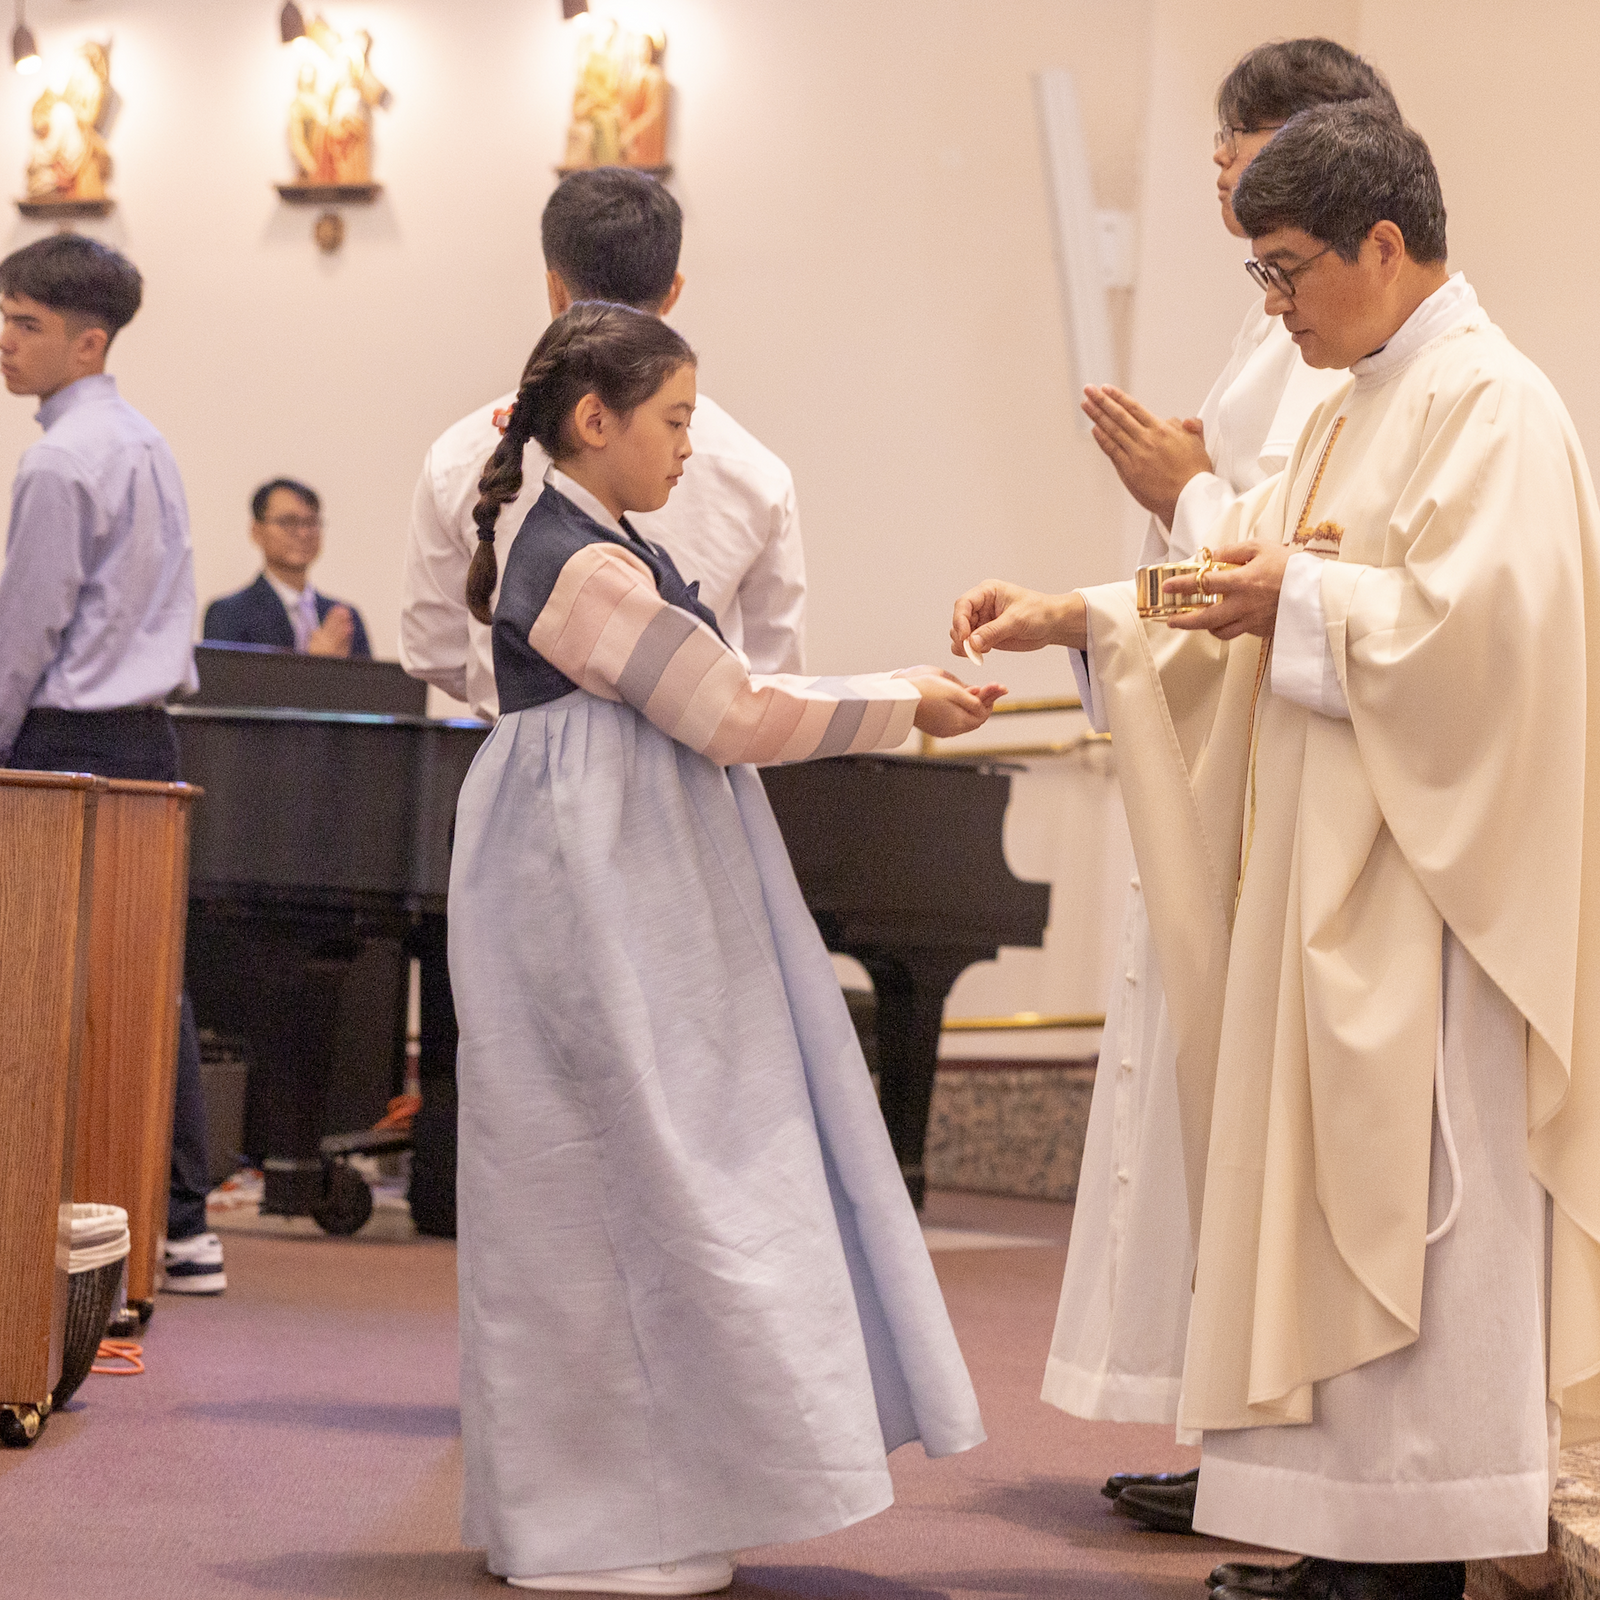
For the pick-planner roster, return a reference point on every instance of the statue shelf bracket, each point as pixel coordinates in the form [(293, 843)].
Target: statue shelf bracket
[(663, 172), (328, 230), (64, 211)]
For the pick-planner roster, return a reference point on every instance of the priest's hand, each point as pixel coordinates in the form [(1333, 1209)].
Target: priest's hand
[(1004, 616), (1154, 458), (1249, 601)]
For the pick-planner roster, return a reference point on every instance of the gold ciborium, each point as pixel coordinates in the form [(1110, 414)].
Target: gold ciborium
[(1150, 592)]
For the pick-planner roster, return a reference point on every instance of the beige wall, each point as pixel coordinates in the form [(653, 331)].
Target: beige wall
[(870, 283), (1505, 96)]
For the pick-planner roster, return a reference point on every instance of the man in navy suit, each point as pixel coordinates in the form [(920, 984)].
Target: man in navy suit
[(281, 607)]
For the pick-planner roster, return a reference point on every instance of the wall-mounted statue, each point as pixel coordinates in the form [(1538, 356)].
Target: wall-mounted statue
[(330, 117), (619, 107), (68, 159)]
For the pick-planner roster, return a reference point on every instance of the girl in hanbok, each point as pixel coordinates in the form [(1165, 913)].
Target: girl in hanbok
[(696, 1309)]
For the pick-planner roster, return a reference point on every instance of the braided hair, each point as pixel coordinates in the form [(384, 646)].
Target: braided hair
[(594, 347)]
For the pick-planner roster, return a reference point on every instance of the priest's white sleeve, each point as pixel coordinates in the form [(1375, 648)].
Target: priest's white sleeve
[(1302, 660), (1202, 501)]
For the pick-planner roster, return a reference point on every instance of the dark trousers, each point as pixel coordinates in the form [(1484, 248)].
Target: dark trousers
[(433, 1157), (138, 743)]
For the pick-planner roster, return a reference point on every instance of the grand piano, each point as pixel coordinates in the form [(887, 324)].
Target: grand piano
[(325, 830), (322, 864)]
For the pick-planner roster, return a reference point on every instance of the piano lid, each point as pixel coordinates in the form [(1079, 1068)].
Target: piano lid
[(259, 675), (321, 806), (906, 851)]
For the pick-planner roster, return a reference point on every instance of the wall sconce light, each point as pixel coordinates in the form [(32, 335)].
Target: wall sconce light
[(24, 52), (573, 8), (291, 25)]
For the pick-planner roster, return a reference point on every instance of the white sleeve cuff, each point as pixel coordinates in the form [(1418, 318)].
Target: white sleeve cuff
[(1080, 671), (1202, 501), (1302, 659)]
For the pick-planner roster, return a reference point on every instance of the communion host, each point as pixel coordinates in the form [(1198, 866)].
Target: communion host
[(1362, 787), (97, 602)]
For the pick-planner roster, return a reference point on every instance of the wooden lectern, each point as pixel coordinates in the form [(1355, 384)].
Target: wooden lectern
[(47, 827), (130, 1033)]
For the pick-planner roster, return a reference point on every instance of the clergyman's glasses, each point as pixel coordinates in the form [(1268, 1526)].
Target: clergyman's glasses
[(1271, 276)]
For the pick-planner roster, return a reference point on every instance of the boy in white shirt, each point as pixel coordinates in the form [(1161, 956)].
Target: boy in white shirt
[(732, 525)]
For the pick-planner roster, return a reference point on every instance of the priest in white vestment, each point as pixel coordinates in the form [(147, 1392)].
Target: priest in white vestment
[(1360, 789), (1117, 1351)]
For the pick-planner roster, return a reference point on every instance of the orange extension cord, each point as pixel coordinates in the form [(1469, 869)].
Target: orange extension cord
[(122, 1350)]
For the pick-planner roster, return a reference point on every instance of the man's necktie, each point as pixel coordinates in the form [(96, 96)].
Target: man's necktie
[(305, 618)]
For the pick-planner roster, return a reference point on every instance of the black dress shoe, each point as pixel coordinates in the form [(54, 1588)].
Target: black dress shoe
[(1118, 1481), (1239, 1577), (1315, 1579), (1166, 1507)]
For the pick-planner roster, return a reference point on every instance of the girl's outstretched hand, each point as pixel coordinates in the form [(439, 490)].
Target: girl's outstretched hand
[(948, 706)]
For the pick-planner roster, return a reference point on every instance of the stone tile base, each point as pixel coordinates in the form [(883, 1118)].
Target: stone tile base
[(1013, 1129), (1570, 1569)]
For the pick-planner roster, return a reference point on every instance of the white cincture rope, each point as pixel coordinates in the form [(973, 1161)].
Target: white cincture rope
[(1442, 1108)]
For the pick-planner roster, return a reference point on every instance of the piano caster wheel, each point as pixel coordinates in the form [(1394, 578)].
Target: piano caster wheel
[(346, 1200), (20, 1425), (130, 1320)]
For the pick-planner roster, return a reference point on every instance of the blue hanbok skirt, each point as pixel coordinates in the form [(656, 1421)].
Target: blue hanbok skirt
[(696, 1308)]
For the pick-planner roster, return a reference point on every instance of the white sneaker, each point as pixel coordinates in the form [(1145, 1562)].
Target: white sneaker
[(697, 1575), (193, 1266)]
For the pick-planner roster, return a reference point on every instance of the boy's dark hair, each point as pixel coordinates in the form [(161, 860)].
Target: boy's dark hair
[(1336, 171), (1269, 84), (613, 234), (617, 352), (261, 498), (78, 277)]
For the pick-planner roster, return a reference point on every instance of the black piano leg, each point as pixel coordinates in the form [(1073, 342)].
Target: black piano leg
[(910, 989), (295, 1052)]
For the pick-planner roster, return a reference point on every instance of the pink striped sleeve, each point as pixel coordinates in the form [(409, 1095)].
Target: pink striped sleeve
[(607, 629)]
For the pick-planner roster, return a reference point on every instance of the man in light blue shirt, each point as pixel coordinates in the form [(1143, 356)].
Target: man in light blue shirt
[(97, 600)]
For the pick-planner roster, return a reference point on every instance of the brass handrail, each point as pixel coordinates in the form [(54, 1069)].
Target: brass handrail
[(1018, 752), (1050, 703), (1023, 1020)]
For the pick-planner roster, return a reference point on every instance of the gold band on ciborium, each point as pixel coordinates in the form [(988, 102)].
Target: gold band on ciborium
[(1151, 594)]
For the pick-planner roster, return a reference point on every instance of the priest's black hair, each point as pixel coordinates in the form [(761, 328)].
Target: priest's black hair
[(1269, 84), (78, 277), (613, 234), (1336, 171), (614, 351)]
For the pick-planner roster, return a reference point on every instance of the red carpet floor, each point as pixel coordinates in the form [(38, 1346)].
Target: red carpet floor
[(298, 1437)]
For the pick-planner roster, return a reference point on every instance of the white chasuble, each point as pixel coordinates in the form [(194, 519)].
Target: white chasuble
[(1117, 1351), (1304, 875)]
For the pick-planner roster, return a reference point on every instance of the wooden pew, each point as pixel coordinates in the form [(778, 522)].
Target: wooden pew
[(47, 823), (130, 1036)]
